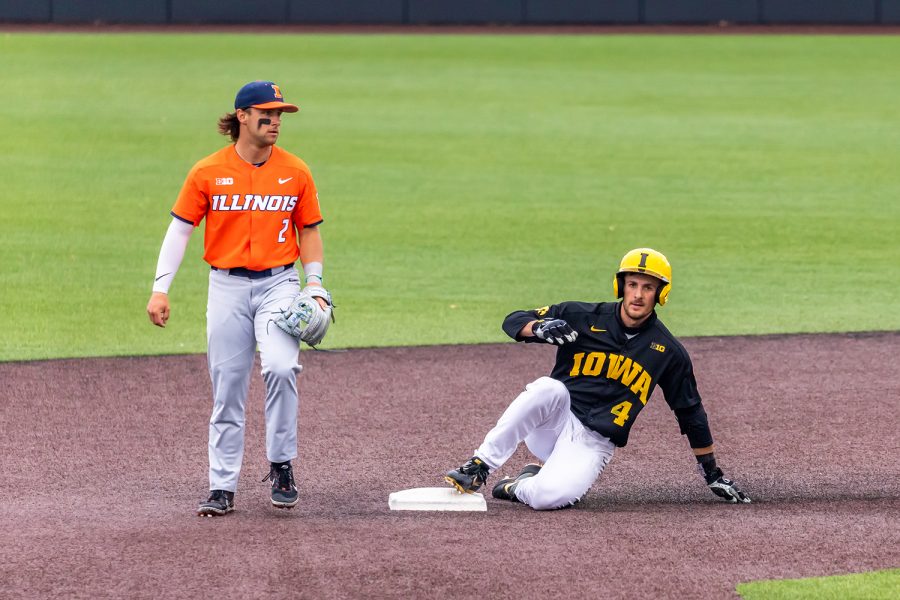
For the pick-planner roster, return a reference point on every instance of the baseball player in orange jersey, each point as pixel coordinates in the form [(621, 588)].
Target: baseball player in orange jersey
[(262, 214)]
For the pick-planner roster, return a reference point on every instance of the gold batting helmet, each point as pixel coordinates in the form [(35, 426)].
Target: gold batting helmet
[(649, 262)]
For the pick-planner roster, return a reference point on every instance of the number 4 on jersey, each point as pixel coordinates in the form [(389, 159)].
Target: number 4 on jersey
[(621, 411)]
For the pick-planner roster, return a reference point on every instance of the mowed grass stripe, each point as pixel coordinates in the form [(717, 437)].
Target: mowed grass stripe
[(462, 177)]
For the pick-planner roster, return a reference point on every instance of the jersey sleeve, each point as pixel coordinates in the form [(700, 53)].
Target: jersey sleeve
[(694, 423), (679, 384), (307, 212), (515, 321), (193, 200)]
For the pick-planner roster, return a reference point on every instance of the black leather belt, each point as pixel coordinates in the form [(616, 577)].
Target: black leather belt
[(244, 272)]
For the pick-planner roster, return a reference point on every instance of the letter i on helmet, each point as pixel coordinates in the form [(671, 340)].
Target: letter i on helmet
[(649, 262)]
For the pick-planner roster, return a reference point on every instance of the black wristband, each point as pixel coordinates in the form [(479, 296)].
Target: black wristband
[(707, 463)]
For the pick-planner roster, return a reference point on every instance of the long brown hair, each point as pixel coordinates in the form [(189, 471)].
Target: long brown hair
[(229, 125)]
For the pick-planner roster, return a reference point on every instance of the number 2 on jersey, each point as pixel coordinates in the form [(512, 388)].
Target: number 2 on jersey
[(281, 233)]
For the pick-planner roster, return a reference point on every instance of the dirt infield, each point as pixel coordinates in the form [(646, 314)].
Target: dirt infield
[(104, 460)]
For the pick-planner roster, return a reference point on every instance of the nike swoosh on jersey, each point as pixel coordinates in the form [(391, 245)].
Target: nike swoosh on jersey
[(595, 330), (280, 180)]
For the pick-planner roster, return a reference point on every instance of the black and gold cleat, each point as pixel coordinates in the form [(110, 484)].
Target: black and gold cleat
[(468, 478), (506, 487)]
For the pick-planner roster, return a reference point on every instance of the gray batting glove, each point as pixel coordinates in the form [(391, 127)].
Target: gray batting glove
[(555, 331), (728, 490)]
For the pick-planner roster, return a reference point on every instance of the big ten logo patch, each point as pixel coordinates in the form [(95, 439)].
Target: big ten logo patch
[(224, 180), (657, 347), (542, 311)]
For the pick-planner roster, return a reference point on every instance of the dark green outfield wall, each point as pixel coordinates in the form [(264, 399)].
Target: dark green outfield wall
[(423, 12)]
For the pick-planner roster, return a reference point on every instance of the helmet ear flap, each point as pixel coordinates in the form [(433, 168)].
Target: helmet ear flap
[(618, 286), (662, 294)]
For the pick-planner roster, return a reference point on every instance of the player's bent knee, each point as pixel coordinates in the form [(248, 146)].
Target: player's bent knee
[(554, 386), (281, 370), (549, 390)]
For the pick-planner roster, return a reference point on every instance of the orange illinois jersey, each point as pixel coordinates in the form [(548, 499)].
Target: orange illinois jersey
[(252, 213)]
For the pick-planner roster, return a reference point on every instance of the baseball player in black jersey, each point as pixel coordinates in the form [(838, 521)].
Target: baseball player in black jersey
[(611, 356)]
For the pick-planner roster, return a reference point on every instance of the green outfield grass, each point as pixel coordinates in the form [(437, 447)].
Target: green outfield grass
[(462, 177), (878, 585)]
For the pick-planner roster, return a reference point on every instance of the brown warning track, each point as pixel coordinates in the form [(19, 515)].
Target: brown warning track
[(104, 460)]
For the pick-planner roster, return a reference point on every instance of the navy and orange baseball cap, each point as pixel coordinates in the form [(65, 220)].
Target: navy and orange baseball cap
[(262, 94)]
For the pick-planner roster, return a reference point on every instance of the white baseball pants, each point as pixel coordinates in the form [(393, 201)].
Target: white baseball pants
[(239, 316), (573, 455)]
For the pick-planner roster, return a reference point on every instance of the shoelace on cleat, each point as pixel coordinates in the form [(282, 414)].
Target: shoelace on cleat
[(478, 472), (284, 477), (218, 496)]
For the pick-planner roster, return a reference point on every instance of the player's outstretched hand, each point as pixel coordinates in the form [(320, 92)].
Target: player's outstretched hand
[(555, 331), (728, 490)]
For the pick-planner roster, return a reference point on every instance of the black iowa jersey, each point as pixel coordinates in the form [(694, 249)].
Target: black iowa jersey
[(610, 376)]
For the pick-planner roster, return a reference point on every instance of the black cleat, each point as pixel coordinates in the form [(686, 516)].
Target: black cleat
[(469, 477), (284, 491), (506, 487), (219, 503)]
